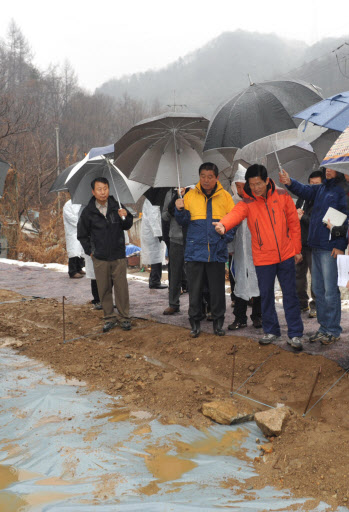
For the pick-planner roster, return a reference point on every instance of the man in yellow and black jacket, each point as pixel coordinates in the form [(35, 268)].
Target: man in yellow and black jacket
[(206, 251)]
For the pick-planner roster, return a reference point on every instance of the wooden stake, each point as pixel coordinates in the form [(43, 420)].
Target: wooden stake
[(63, 319)]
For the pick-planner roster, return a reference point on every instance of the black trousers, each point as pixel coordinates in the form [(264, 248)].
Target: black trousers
[(215, 274), (176, 266), (155, 274), (75, 265), (240, 309), (302, 281), (94, 290)]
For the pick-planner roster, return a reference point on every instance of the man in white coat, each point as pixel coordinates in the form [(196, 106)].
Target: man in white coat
[(74, 249), (246, 284), (152, 249)]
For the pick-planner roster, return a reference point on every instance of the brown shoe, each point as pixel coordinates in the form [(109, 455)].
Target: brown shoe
[(171, 310), (77, 276)]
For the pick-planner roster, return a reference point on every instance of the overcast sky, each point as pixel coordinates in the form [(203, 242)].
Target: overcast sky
[(110, 38)]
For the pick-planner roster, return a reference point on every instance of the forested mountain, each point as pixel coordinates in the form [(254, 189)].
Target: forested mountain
[(206, 77), (36, 105)]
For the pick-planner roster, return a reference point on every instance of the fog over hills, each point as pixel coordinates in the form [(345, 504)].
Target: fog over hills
[(221, 68)]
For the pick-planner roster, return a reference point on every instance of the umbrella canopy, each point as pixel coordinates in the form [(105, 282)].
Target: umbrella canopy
[(322, 144), (333, 112), (4, 167), (226, 176), (258, 111), (298, 160), (338, 156), (157, 195), (256, 151), (80, 176), (164, 151), (59, 184)]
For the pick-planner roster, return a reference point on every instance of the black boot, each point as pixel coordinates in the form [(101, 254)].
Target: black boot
[(218, 327), (195, 328)]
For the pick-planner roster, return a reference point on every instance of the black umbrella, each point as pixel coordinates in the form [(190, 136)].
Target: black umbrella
[(4, 167), (59, 184), (157, 195), (259, 111)]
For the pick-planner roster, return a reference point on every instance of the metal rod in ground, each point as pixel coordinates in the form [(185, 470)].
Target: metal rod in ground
[(233, 352), (333, 385), (252, 374), (63, 318), (312, 390)]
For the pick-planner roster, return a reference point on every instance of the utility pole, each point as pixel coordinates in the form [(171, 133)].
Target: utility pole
[(174, 105), (58, 163)]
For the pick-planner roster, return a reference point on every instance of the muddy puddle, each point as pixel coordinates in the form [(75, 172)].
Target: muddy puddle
[(64, 447)]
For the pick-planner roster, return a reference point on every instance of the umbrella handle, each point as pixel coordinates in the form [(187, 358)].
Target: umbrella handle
[(277, 158), (111, 174)]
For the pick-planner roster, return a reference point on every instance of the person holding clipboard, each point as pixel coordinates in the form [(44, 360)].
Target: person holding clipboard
[(325, 250)]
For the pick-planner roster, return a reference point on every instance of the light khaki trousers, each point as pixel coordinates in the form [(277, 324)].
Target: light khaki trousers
[(109, 273)]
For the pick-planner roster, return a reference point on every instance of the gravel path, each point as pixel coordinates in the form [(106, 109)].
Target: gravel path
[(149, 304)]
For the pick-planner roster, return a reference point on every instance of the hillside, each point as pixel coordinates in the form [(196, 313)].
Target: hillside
[(204, 78)]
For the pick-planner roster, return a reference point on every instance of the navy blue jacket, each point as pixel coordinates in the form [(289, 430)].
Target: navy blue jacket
[(203, 243), (329, 193)]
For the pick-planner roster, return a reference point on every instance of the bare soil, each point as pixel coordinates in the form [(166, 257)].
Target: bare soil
[(159, 368)]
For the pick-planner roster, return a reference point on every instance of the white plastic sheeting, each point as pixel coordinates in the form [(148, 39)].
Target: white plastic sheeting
[(75, 452)]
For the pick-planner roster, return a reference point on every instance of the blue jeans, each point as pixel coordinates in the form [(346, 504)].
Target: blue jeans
[(324, 276), (286, 274)]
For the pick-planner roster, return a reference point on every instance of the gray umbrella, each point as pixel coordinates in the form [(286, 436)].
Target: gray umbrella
[(298, 160), (79, 180), (4, 167), (258, 111), (256, 151), (164, 151)]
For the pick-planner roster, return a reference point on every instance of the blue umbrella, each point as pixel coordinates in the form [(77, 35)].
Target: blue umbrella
[(333, 112)]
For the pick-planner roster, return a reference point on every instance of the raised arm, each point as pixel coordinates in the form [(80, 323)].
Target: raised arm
[(307, 192)]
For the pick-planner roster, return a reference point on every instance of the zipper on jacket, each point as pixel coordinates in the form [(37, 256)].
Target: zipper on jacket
[(259, 238), (271, 222), (208, 243), (287, 228), (273, 215)]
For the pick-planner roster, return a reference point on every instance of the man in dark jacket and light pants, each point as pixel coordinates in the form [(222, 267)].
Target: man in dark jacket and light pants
[(101, 233)]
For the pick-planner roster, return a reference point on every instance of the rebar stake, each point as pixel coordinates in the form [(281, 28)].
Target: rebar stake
[(232, 352), (63, 319), (312, 390)]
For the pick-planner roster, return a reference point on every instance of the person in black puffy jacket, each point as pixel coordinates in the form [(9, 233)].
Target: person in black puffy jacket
[(101, 233)]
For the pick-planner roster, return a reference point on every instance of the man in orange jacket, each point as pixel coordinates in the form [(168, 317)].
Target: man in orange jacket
[(276, 247)]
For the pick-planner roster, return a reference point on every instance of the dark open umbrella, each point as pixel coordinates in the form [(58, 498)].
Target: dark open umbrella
[(259, 111), (4, 167), (59, 184), (156, 195)]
